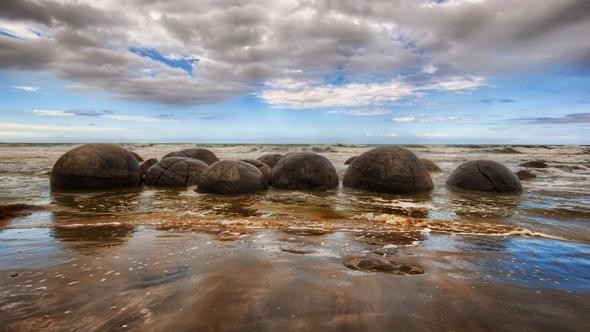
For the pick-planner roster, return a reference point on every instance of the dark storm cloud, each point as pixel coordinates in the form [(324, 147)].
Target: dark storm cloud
[(245, 46)]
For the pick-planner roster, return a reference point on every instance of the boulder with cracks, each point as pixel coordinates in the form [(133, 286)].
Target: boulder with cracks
[(175, 172), (484, 175)]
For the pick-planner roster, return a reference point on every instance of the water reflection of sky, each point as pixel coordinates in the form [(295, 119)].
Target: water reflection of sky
[(531, 262)]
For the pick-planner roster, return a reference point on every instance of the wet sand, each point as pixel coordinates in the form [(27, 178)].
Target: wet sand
[(153, 279)]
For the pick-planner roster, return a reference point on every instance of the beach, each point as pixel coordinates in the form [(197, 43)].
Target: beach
[(174, 259)]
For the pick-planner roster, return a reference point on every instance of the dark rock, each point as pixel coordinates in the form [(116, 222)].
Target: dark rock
[(231, 177), (374, 264), (175, 172), (525, 175), (430, 165), (534, 164), (203, 155), (304, 170), (145, 166), (390, 169), (350, 160), (137, 157), (484, 175), (271, 159), (298, 248), (262, 167), (96, 166)]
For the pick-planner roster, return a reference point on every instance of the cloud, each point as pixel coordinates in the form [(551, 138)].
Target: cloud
[(242, 45), (457, 83), (295, 94), (26, 88), (405, 119), (135, 118), (569, 118), (303, 95), (103, 114), (381, 135), (436, 135), (362, 111), (51, 129), (52, 113), (425, 119)]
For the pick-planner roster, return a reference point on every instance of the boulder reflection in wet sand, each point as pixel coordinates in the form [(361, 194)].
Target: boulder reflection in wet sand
[(377, 264)]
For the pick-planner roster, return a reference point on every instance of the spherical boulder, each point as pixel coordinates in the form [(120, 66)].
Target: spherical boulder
[(389, 169), (350, 160), (175, 172), (430, 165), (262, 167), (231, 177), (271, 159), (484, 175), (203, 155), (304, 170), (96, 166)]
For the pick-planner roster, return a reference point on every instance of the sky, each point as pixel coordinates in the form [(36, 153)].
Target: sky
[(295, 71)]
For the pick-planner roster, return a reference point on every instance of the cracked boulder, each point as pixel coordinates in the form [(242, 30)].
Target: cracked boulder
[(262, 167), (203, 155), (231, 177), (430, 165), (95, 167), (484, 175), (304, 170), (388, 169), (175, 172), (271, 159)]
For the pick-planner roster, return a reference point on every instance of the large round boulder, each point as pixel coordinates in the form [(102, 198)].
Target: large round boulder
[(231, 177), (96, 166), (430, 165), (389, 169), (271, 159), (484, 175), (137, 156), (304, 170), (203, 155), (262, 167), (175, 172)]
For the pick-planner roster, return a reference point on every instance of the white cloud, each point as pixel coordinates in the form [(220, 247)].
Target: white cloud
[(361, 111), (117, 117), (381, 135), (405, 119), (8, 127), (26, 88), (425, 119), (136, 118), (436, 135), (52, 113), (457, 83), (302, 95)]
